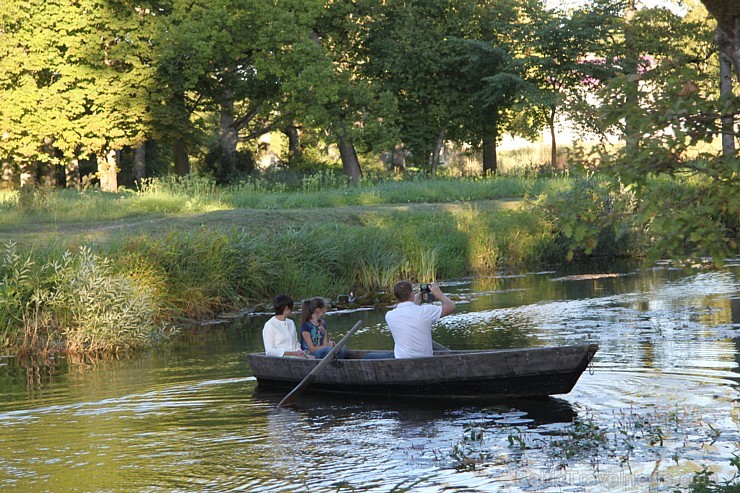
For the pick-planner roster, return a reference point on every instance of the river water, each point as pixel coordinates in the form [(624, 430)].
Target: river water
[(658, 404)]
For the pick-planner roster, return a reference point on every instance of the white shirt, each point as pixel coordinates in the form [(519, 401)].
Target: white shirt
[(279, 336), (411, 327)]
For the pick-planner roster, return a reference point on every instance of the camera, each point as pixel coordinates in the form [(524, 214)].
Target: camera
[(426, 294)]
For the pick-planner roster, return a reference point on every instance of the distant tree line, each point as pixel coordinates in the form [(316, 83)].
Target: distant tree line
[(116, 90)]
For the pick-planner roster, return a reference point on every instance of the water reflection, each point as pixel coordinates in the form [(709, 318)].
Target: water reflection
[(191, 418), (417, 410), (377, 445)]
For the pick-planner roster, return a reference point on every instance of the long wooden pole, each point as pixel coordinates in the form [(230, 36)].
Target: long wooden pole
[(439, 347), (293, 395)]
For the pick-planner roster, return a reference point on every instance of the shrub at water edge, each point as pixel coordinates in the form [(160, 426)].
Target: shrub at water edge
[(74, 302)]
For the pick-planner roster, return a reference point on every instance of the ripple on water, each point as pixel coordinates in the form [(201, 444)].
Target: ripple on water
[(666, 358)]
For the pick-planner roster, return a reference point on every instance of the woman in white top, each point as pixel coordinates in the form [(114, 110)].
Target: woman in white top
[(279, 334)]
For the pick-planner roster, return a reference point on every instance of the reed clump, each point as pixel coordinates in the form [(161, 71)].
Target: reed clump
[(74, 301)]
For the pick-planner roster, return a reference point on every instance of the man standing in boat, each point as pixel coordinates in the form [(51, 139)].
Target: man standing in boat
[(411, 321)]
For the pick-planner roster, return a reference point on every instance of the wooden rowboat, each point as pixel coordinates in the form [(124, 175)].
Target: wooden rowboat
[(505, 373)]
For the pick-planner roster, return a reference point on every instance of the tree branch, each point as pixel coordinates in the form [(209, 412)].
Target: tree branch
[(242, 122)]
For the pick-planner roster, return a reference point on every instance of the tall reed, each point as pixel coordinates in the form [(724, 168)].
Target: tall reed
[(71, 301), (428, 265), (378, 268)]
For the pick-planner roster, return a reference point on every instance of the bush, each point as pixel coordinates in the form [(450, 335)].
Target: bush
[(75, 303), (593, 220)]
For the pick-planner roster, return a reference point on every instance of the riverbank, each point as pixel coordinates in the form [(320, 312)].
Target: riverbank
[(120, 275)]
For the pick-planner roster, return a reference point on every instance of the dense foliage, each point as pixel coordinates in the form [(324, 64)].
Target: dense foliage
[(86, 81), (93, 87)]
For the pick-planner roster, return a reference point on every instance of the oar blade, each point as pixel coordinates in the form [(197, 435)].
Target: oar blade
[(293, 395)]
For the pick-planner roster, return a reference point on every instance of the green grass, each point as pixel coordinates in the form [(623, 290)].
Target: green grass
[(390, 192), (195, 273), (194, 195), (186, 249)]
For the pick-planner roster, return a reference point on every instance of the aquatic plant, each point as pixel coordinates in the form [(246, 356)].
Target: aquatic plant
[(468, 453), (584, 438), (427, 268), (517, 439), (16, 293), (704, 481), (378, 268), (96, 309), (629, 434)]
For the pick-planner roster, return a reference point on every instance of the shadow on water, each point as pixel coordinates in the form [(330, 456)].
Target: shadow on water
[(533, 412)]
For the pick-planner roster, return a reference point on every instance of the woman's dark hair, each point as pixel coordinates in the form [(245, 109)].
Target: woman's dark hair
[(280, 302), (310, 306), (403, 290)]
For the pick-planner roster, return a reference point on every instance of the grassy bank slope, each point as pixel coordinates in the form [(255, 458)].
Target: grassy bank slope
[(113, 274)]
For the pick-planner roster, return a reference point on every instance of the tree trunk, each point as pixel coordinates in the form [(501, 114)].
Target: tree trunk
[(47, 170), (295, 151), (28, 175), (725, 89), (398, 158), (732, 48), (727, 13), (72, 172), (49, 175), (348, 154), (140, 164), (631, 62), (7, 174), (490, 159), (180, 156), (553, 142), (438, 150), (179, 142), (227, 139), (107, 170)]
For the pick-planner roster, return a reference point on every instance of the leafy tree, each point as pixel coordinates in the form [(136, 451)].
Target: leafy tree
[(419, 52), (356, 113), (78, 75), (407, 49), (560, 59), (492, 88), (238, 59), (677, 110)]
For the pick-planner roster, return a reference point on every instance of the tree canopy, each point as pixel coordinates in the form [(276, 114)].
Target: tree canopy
[(85, 82)]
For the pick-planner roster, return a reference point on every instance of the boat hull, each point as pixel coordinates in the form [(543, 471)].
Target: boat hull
[(511, 373)]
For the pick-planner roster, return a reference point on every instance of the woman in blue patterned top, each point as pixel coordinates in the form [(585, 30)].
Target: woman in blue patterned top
[(314, 338)]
